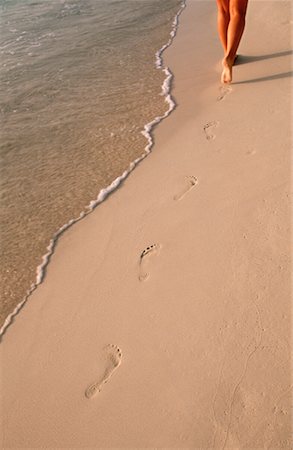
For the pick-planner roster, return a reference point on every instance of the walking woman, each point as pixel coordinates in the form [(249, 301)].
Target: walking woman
[(231, 22)]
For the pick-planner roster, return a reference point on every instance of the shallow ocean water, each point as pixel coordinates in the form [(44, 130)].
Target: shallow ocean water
[(78, 84)]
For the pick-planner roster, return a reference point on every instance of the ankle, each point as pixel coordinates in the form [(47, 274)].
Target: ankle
[(229, 58)]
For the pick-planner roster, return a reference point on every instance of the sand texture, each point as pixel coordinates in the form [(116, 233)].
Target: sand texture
[(164, 317)]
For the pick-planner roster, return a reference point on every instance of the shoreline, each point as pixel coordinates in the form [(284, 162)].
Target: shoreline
[(106, 191), (165, 317)]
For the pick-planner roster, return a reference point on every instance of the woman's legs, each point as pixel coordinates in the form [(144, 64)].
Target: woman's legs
[(231, 22), (223, 21)]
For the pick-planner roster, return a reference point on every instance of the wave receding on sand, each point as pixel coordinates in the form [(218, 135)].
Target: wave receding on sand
[(105, 192)]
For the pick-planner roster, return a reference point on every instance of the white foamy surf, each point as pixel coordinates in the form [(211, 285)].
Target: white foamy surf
[(103, 194)]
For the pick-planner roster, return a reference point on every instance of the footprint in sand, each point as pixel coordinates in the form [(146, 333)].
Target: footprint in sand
[(191, 182), (113, 360), (151, 250), (251, 152), (224, 91), (209, 129)]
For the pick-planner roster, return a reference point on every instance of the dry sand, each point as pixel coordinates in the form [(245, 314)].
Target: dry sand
[(192, 335)]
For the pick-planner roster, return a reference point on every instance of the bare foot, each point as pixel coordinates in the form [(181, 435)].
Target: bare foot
[(226, 77)]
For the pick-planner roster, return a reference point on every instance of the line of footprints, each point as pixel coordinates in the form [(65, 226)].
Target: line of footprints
[(113, 353)]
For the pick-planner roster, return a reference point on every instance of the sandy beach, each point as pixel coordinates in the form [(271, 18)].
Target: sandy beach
[(164, 319)]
